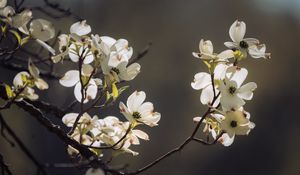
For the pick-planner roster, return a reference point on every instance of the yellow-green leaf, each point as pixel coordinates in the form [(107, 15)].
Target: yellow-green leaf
[(9, 91), (115, 91), (17, 36)]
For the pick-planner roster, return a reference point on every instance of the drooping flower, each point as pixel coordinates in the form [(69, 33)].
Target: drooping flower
[(249, 46), (138, 111), (206, 52)]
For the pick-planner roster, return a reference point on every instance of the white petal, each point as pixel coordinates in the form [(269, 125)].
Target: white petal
[(92, 90), (140, 134), (201, 80), (41, 84), (246, 91), (206, 47), (42, 29), (69, 119), (258, 51), (151, 120), (251, 41), (106, 43), (3, 3), (63, 41), (207, 96), (237, 31), (237, 74), (73, 53), (70, 78), (220, 71), (230, 102), (226, 140), (231, 45), (131, 72), (146, 109), (124, 110), (80, 28), (135, 100), (226, 55)]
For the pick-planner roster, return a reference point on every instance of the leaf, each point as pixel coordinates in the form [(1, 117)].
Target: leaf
[(9, 91), (17, 36), (115, 91)]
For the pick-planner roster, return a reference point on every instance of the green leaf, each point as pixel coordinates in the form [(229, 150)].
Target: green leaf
[(9, 91), (115, 91), (17, 36)]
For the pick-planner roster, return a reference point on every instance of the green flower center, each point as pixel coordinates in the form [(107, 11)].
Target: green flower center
[(117, 71), (136, 115), (244, 44), (232, 89), (233, 124)]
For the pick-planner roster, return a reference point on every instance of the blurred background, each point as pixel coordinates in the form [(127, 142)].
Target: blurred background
[(175, 29)]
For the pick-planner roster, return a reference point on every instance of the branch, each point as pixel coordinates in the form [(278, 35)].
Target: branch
[(4, 166), (22, 145)]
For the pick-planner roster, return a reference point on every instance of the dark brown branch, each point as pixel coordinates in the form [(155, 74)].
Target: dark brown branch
[(4, 166), (140, 54), (21, 145), (18, 68), (55, 129)]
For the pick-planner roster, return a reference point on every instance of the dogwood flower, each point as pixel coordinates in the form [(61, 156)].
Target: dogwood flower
[(85, 122), (245, 45), (115, 51), (237, 123), (72, 78), (233, 94), (137, 111), (206, 52)]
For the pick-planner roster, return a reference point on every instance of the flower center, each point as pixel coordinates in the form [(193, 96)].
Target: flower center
[(232, 90), (136, 115), (233, 124), (117, 71), (244, 44)]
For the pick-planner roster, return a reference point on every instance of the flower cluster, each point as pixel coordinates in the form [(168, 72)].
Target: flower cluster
[(223, 88), (22, 23), (24, 82), (102, 63)]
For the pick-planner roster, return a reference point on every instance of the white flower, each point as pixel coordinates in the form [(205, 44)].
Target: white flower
[(202, 80), (233, 94), (138, 111), (72, 78), (86, 121), (206, 52), (3, 3), (34, 72), (41, 29), (236, 123), (246, 45), (21, 82), (94, 171), (80, 28), (120, 72)]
